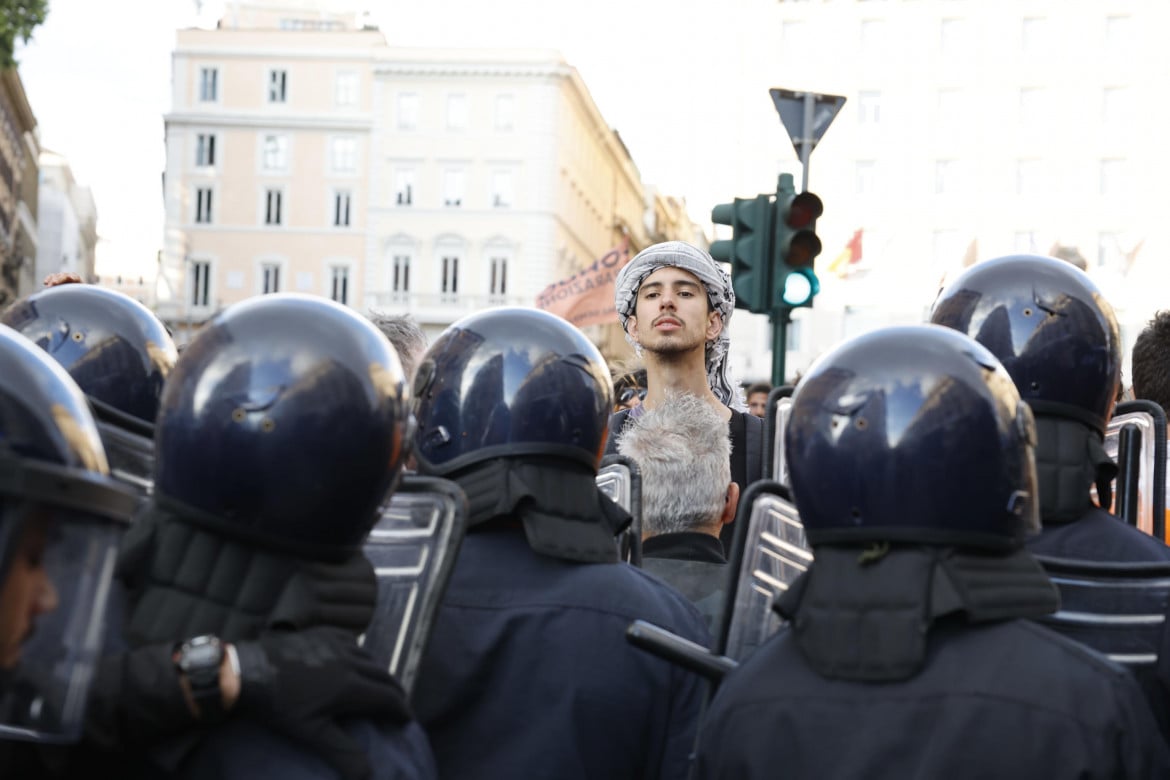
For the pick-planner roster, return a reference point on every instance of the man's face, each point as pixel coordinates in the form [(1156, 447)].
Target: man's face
[(26, 591), (758, 404), (671, 314)]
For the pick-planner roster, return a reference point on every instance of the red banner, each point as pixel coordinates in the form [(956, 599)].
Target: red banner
[(586, 297)]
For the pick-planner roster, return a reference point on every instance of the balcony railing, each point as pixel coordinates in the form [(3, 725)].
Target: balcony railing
[(441, 307)]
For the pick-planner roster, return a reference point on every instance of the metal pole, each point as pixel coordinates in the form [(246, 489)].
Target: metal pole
[(806, 145), (780, 319)]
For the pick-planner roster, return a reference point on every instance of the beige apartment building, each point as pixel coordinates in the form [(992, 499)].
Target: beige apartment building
[(498, 176), (268, 159), (304, 154)]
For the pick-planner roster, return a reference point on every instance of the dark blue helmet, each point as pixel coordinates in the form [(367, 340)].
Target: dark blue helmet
[(285, 423), (60, 521), (912, 434), (511, 382), (1050, 327), (116, 350)]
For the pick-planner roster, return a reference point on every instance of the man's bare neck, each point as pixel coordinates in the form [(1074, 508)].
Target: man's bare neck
[(679, 376)]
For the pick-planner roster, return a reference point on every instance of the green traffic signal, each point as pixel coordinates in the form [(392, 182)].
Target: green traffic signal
[(749, 250), (800, 286)]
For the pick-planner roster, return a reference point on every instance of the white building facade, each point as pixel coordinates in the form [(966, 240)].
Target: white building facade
[(973, 130), (66, 221)]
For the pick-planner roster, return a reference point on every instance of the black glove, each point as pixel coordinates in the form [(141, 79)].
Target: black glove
[(302, 683)]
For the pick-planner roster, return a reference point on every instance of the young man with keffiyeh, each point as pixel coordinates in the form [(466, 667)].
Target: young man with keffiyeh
[(674, 302)]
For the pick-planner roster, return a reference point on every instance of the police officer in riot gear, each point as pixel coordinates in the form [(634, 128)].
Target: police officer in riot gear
[(116, 350), (1058, 339), (279, 434), (528, 672), (911, 464), (60, 520), (119, 354)]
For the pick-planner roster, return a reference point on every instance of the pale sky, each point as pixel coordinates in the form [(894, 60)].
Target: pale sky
[(683, 81)]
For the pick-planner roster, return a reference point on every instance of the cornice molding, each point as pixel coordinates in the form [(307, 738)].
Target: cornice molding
[(474, 69), (269, 120)]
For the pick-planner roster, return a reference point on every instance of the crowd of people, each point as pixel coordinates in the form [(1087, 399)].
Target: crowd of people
[(185, 592)]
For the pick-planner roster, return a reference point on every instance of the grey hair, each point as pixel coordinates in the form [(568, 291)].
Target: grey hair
[(684, 451), (405, 336)]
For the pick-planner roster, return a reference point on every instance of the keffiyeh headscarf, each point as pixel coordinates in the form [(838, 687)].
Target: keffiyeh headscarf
[(679, 254)]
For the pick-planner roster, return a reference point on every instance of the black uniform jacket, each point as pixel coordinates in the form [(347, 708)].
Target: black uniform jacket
[(1005, 700), (528, 672)]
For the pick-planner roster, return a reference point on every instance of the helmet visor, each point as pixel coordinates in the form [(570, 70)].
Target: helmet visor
[(56, 567)]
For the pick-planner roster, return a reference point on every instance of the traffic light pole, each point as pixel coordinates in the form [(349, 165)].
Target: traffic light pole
[(806, 138), (780, 319)]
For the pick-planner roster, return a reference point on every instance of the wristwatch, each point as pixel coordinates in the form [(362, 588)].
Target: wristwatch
[(199, 660)]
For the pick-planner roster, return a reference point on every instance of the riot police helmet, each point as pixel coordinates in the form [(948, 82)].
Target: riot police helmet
[(912, 434), (511, 382), (1049, 325), (61, 518), (116, 349), (285, 424)]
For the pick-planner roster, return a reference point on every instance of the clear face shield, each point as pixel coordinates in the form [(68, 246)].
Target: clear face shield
[(56, 569)]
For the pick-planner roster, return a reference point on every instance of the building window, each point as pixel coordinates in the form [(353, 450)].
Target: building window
[(865, 171), (270, 278), (343, 155), (272, 207), (203, 205), (946, 248), (200, 283), (277, 86), (952, 34), (873, 37), (793, 336), (275, 155), (950, 112), (453, 188), (346, 88), (205, 150), (407, 111), (1112, 177), (456, 112), (1025, 241), (505, 112), (1028, 177), (502, 189), (403, 187), (1118, 34), (946, 175), (1032, 107), (339, 283), (869, 107), (400, 281), (450, 280), (341, 201), (1115, 108), (208, 85), (499, 278), (1034, 34), (1109, 252)]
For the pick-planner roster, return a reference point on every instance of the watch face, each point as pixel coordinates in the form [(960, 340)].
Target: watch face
[(202, 655)]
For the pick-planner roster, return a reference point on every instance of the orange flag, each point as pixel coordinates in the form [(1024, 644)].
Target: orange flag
[(586, 297), (849, 257)]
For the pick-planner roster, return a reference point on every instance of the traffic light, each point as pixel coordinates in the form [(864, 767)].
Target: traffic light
[(749, 251), (794, 282)]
